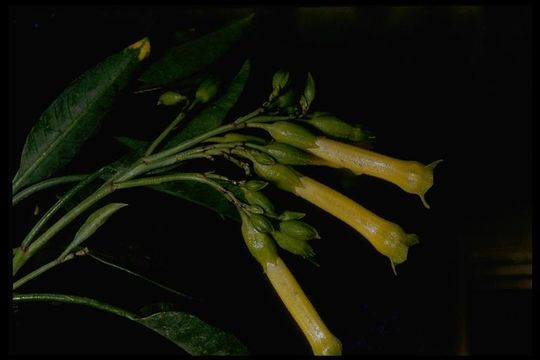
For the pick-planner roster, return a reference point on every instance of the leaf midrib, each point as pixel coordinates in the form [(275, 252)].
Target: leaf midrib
[(60, 137)]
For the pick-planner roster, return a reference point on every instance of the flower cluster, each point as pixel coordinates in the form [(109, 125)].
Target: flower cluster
[(318, 139)]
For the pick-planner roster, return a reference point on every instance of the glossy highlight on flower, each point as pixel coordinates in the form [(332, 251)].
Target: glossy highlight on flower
[(411, 176), (388, 238)]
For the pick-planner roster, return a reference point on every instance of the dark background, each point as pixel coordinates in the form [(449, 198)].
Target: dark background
[(430, 82)]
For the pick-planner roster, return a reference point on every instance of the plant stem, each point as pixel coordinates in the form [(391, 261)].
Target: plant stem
[(94, 256), (22, 256), (46, 267), (156, 180), (123, 179), (28, 239), (170, 128), (238, 123), (79, 300), (43, 185)]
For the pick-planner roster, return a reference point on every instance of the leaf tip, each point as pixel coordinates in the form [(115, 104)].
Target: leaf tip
[(143, 46)]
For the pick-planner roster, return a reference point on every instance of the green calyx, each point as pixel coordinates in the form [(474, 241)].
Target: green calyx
[(293, 245), (289, 133), (299, 230), (280, 175), (337, 128), (289, 155), (261, 223), (284, 177), (254, 185), (258, 199), (291, 215), (260, 244)]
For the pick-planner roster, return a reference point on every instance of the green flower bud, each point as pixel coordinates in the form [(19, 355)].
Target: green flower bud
[(291, 215), (255, 185), (289, 133), (289, 155), (290, 98), (207, 90), (299, 230), (254, 209), (293, 245), (257, 198), (261, 223), (337, 128), (279, 82), (260, 245), (171, 98), (290, 110), (309, 94)]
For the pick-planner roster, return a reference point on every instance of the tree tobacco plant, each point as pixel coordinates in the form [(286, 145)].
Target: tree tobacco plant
[(270, 144)]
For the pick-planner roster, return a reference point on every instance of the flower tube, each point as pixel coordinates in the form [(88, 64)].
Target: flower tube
[(262, 247), (411, 176), (387, 237)]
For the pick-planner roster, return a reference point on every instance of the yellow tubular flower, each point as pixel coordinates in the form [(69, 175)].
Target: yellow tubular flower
[(262, 247), (388, 238), (322, 341), (411, 176)]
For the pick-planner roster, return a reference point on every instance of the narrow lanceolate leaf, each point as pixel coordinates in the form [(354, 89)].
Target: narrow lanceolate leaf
[(75, 116), (188, 58), (214, 114), (90, 226), (192, 334)]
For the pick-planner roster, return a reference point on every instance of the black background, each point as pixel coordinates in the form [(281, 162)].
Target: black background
[(430, 82)]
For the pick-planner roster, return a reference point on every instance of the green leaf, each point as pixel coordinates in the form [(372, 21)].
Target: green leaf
[(188, 58), (90, 226), (192, 334), (214, 114), (187, 331), (75, 116)]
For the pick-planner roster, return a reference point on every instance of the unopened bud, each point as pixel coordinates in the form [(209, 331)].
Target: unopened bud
[(255, 185), (291, 215), (256, 198), (171, 98), (293, 245), (207, 90), (299, 230), (279, 82), (290, 98), (261, 223), (309, 94)]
